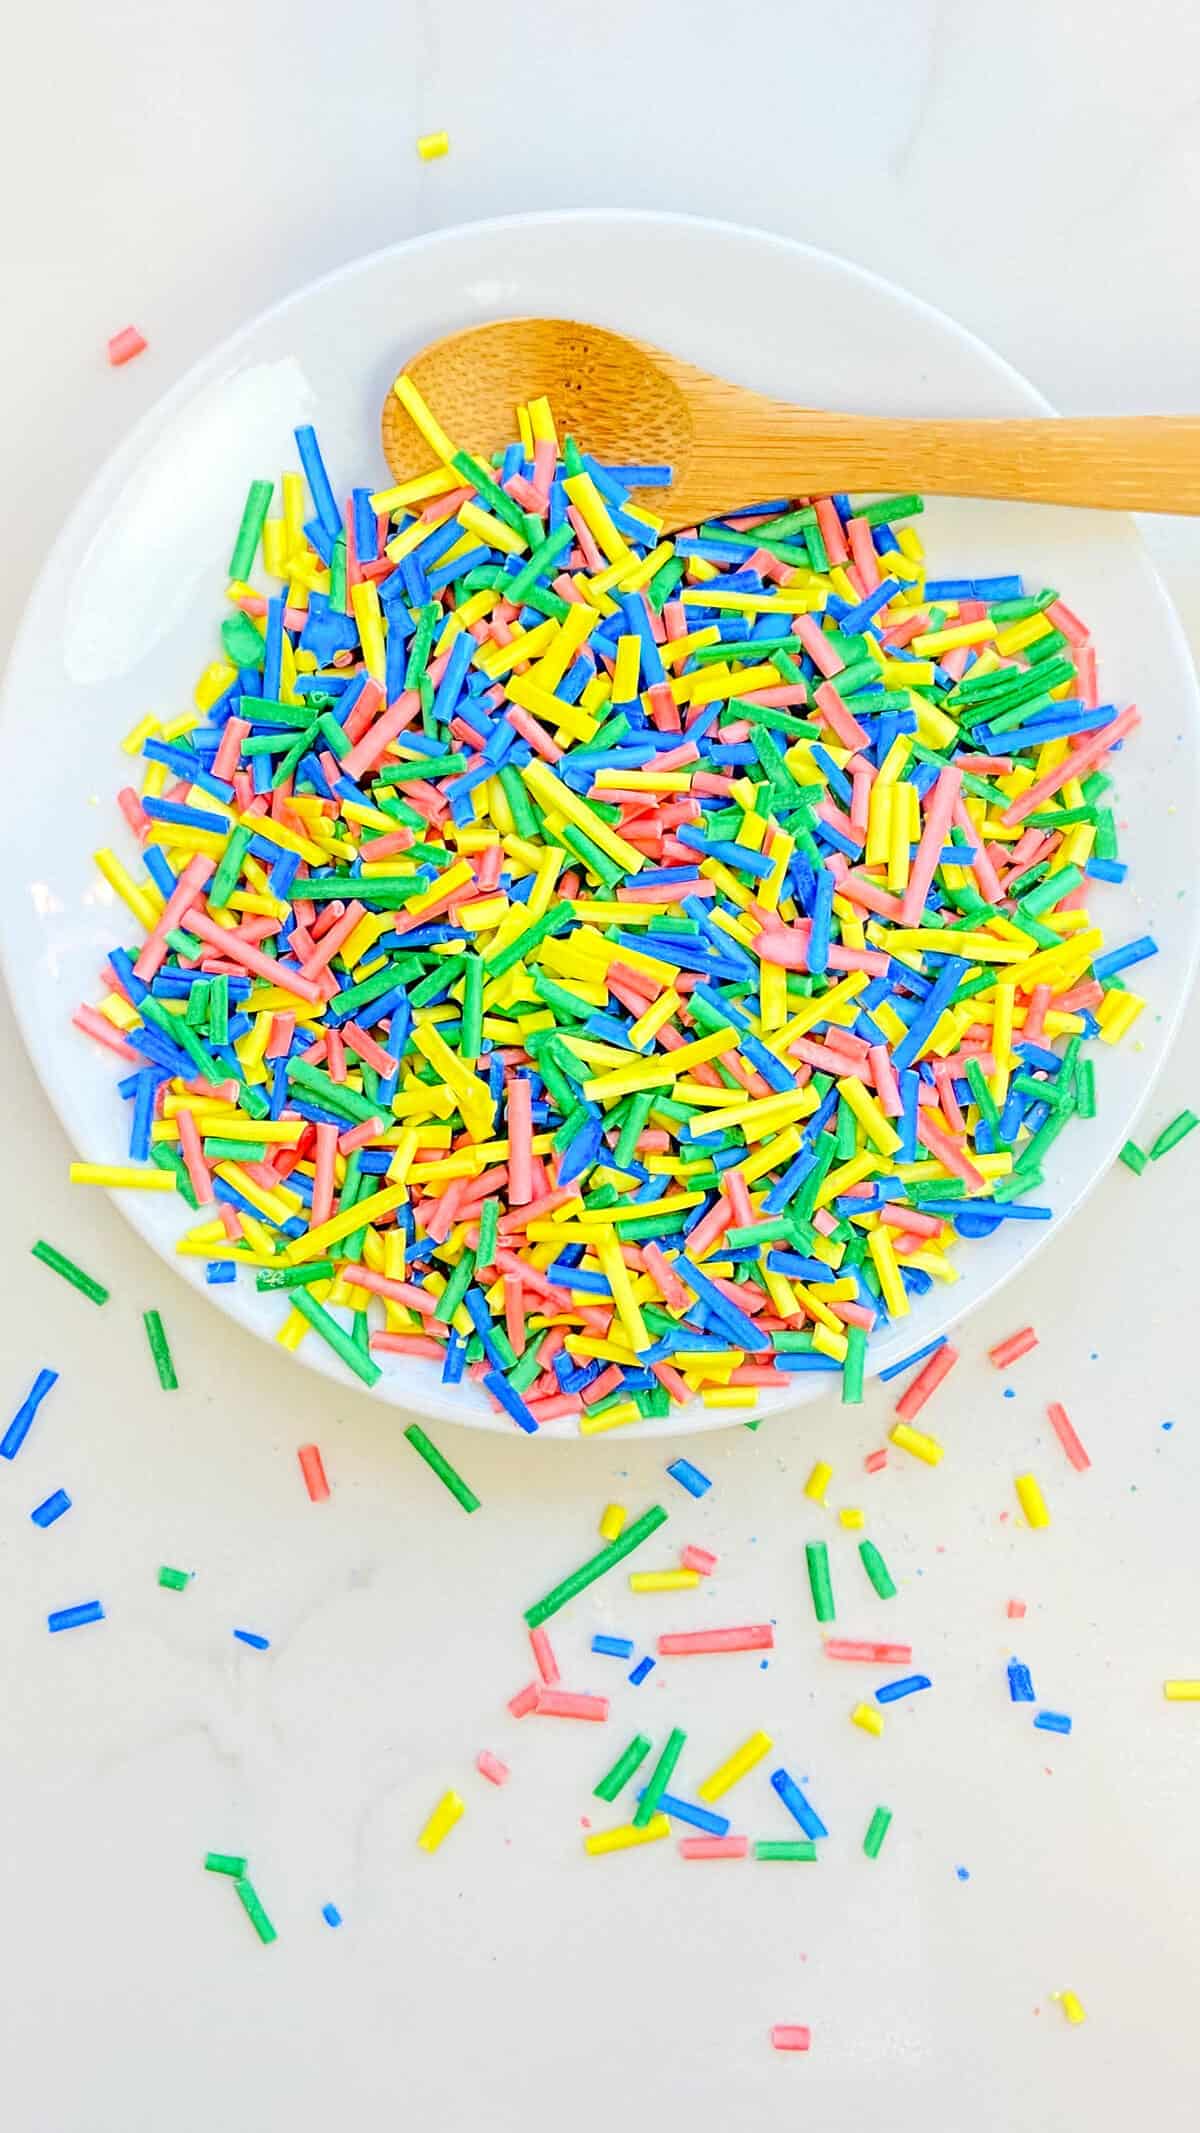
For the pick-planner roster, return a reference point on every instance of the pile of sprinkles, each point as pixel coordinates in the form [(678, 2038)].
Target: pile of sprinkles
[(615, 968)]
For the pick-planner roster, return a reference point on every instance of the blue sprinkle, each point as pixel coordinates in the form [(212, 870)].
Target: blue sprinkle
[(1052, 1722), (52, 1508), (689, 1477), (1020, 1683), (331, 1914), (1168, 1425), (699, 1817), (797, 1805), (918, 1356), (219, 1271), (19, 1428), (963, 1872), (643, 1667), (1009, 1394), (252, 1638), (613, 1647), (892, 1691), (75, 1617)]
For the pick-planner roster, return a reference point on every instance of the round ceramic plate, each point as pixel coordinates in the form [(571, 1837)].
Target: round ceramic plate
[(125, 612)]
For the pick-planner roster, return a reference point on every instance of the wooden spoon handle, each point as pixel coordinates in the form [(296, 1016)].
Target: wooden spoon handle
[(1121, 462)]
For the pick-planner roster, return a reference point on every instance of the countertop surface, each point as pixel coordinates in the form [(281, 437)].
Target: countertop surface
[(1035, 173)]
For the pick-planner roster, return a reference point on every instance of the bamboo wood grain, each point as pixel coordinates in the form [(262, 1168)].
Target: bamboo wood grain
[(623, 400)]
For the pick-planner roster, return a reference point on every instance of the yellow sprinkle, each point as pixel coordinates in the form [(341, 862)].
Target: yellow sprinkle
[(418, 491), (612, 1521), (431, 430), (492, 531), (851, 1517), (1031, 1500), (818, 1481), (553, 796), (375, 1204), (593, 510), (867, 1111), (138, 898), (981, 947), (364, 599), (616, 1273), (432, 145), (1072, 2006), (915, 1441), (866, 1716), (119, 1177), (657, 1072), (1117, 1012), (615, 1417), (132, 742), (663, 1580), (624, 1838), (730, 1396), (449, 1810), (883, 1258), (735, 1767)]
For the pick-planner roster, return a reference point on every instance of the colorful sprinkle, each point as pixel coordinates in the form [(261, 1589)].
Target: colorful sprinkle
[(58, 1263), (22, 1422)]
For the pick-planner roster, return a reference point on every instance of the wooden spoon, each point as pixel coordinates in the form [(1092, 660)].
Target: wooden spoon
[(623, 400)]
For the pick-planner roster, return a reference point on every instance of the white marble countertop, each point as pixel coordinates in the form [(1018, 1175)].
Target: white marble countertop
[(1033, 170)]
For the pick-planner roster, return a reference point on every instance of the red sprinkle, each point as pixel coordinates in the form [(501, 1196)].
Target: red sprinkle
[(1016, 1610), (525, 1700), (547, 1664), (791, 2037), (878, 1654), (1060, 1424), (749, 1637), (491, 1767), (1017, 1344), (713, 1847), (562, 1703), (926, 1381), (876, 1461), (701, 1559), (313, 1469), (125, 345)]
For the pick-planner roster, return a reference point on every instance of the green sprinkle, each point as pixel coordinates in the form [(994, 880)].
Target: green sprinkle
[(165, 1158), (295, 1277), (618, 1777), (336, 1337), (854, 1366), (597, 1566), (225, 1863), (160, 1350), (1171, 1135), (254, 1910), (816, 1555), (982, 1094), (441, 1466), (242, 644), (1085, 1089), (1133, 1158), (58, 1263), (799, 1848), (877, 1829), (455, 1289), (175, 1581), (254, 511), (660, 1776), (877, 1570)]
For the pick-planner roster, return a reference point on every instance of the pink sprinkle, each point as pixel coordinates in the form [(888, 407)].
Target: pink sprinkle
[(525, 1700), (491, 1767), (1060, 1423), (926, 1381), (1009, 1351), (876, 1654), (713, 1847), (748, 1637), (876, 1461), (700, 1559), (562, 1703), (791, 2037), (547, 1664), (1016, 1610), (125, 345), (312, 1467)]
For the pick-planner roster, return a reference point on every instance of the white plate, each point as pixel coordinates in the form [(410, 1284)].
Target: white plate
[(125, 612)]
